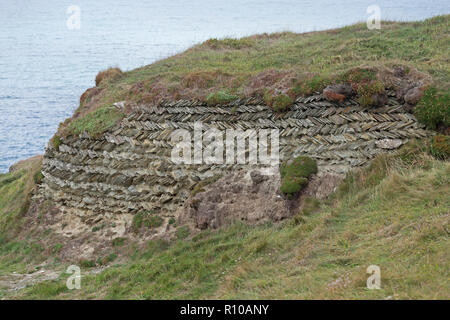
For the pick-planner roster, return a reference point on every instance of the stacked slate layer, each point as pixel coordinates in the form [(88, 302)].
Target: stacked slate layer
[(129, 168)]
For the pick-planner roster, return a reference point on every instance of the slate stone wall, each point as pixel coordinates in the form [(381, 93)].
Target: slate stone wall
[(129, 169)]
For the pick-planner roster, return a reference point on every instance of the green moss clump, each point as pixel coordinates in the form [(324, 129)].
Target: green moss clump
[(97, 122), (295, 173), (433, 110), (440, 147), (220, 98)]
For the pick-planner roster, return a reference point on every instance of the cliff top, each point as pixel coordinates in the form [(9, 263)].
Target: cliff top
[(276, 67)]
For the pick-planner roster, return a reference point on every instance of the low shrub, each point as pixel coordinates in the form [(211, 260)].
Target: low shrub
[(108, 74), (282, 102), (367, 90), (440, 147), (433, 110)]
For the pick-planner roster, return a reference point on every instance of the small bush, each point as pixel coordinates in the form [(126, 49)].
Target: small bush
[(282, 102), (366, 91), (295, 173), (440, 147), (108, 74), (433, 110), (220, 98)]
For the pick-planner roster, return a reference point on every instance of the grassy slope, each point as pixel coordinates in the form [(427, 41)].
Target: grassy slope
[(394, 214), (15, 187), (280, 62)]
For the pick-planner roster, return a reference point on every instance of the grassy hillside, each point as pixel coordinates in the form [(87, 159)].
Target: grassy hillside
[(394, 214), (269, 65)]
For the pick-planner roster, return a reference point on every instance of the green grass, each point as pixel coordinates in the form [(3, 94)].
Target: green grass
[(96, 122), (286, 63), (393, 214)]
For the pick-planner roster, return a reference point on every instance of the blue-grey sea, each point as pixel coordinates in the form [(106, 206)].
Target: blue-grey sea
[(45, 65)]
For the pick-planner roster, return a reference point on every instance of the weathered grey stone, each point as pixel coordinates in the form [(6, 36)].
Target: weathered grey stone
[(389, 143)]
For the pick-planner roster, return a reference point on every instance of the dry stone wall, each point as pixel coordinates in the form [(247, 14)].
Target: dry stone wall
[(129, 169)]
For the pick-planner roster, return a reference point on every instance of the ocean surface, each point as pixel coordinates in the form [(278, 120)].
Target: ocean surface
[(45, 66)]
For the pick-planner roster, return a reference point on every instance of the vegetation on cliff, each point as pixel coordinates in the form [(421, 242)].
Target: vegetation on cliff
[(277, 67)]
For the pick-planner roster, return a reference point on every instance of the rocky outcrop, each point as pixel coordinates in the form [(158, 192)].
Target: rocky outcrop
[(128, 169)]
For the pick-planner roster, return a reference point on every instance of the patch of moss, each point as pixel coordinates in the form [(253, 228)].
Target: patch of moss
[(433, 110), (220, 98), (295, 173)]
